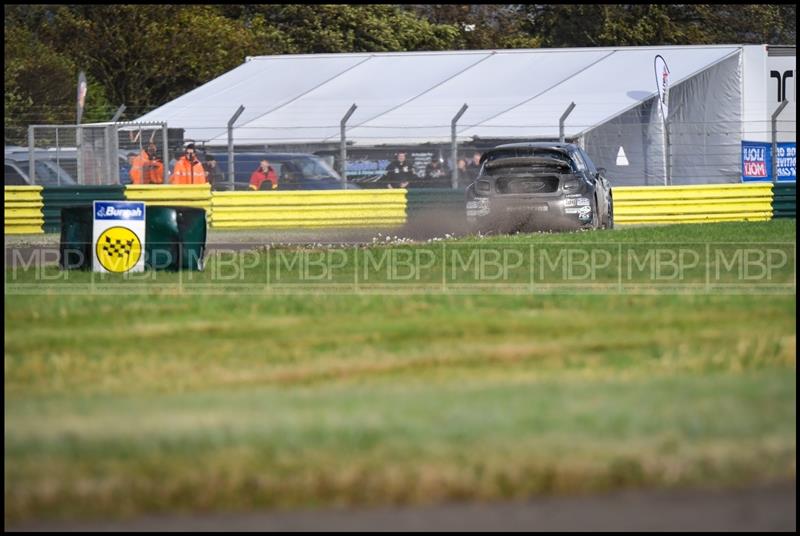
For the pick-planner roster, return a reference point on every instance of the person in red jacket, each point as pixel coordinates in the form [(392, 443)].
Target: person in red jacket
[(188, 169), (263, 173)]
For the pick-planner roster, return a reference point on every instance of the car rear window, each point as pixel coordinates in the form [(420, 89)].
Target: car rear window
[(516, 160)]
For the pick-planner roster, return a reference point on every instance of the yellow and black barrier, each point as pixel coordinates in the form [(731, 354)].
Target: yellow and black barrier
[(32, 209), (639, 205), (184, 195), (22, 210), (320, 208)]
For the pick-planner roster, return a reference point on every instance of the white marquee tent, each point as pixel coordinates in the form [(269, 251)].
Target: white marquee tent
[(410, 98)]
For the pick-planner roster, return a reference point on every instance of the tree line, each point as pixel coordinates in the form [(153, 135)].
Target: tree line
[(145, 55)]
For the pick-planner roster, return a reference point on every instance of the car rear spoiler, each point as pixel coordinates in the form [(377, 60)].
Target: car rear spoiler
[(527, 161)]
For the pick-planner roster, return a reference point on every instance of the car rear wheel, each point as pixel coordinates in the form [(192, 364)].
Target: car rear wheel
[(597, 223), (610, 213)]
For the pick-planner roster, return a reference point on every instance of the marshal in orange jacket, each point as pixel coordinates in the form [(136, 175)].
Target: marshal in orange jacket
[(187, 173), (152, 171)]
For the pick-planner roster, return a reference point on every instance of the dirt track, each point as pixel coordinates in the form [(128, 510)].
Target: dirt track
[(37, 250), (763, 508)]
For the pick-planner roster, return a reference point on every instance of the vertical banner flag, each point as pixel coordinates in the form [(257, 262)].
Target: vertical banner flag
[(82, 89), (118, 236), (662, 83)]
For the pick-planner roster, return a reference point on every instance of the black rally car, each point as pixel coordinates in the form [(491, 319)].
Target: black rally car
[(539, 187)]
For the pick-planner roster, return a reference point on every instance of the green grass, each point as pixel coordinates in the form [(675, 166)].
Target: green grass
[(185, 401)]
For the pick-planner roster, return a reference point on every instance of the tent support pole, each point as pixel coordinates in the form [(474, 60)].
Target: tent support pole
[(775, 139), (454, 146), (343, 144), (230, 143), (562, 119)]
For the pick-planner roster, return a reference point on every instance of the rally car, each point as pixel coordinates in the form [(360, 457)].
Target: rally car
[(541, 186)]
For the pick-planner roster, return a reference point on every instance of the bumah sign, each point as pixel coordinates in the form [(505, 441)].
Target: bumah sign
[(118, 236)]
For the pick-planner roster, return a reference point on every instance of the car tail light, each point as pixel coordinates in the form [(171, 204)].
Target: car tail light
[(483, 186), (571, 186)]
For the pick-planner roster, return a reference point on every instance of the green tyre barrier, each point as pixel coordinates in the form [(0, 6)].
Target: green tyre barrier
[(443, 209), (56, 198), (175, 238), (784, 200)]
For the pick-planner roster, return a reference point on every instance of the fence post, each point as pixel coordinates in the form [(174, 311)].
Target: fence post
[(775, 115), (31, 160), (667, 155), (562, 119), (79, 147), (454, 147), (165, 152), (231, 121), (112, 161), (343, 145), (58, 159), (118, 113)]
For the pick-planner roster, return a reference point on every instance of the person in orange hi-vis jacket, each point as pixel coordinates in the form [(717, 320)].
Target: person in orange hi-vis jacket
[(147, 168), (188, 169)]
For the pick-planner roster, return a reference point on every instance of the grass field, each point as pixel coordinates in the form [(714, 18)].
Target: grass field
[(166, 400)]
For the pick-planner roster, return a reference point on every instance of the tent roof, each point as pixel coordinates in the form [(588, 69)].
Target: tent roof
[(411, 97)]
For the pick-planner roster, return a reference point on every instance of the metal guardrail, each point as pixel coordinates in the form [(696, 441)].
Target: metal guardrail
[(22, 210), (692, 204)]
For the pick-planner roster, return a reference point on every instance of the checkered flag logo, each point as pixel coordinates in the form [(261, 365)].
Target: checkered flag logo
[(117, 248)]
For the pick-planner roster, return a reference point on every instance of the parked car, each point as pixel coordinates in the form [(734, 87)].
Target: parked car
[(48, 172), (296, 171), (539, 186), (53, 167)]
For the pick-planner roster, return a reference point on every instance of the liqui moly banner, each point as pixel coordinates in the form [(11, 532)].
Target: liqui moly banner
[(757, 161), (662, 82)]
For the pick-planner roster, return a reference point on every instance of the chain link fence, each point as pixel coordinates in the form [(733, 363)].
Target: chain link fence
[(633, 152), (93, 154)]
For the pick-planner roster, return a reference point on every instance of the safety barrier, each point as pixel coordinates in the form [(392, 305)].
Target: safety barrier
[(784, 201), (440, 208), (293, 209), (692, 204), (184, 195), (57, 197), (435, 199), (22, 210), (33, 209)]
